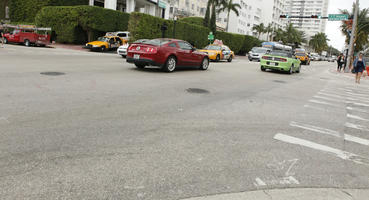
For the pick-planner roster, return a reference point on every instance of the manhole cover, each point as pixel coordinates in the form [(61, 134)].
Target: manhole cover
[(52, 73), (197, 91), (279, 81)]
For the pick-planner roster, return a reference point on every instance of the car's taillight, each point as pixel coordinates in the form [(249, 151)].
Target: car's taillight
[(265, 57), (131, 47), (151, 50), (280, 59)]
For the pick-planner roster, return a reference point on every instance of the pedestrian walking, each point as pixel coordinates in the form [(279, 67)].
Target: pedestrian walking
[(340, 62), (2, 38), (359, 66)]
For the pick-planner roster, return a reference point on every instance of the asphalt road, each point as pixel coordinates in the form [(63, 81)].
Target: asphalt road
[(106, 130)]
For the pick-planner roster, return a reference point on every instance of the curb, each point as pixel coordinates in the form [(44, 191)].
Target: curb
[(293, 194)]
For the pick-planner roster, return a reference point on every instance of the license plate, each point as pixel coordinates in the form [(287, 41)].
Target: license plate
[(136, 56)]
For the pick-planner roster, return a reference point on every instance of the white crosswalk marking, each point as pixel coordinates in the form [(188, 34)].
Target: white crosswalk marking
[(354, 126), (337, 152), (356, 117)]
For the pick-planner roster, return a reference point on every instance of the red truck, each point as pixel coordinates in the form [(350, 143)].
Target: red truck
[(27, 35)]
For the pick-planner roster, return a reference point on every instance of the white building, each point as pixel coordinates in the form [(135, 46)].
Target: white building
[(254, 12), (187, 8), (159, 8), (307, 8)]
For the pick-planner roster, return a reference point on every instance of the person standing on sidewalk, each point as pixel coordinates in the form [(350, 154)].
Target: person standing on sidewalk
[(340, 61), (359, 66), (2, 38)]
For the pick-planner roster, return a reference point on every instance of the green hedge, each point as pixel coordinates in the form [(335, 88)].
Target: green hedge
[(148, 27), (234, 41), (2, 9), (78, 24), (193, 20), (26, 10)]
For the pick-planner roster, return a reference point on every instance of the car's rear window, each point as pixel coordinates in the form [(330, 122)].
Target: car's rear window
[(212, 47), (156, 42), (280, 53), (300, 54)]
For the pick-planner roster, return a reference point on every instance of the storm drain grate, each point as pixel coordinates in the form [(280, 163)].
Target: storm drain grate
[(197, 91), (52, 73), (279, 81)]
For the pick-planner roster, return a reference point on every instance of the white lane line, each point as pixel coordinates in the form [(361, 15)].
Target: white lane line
[(328, 99), (358, 95), (354, 126), (349, 97), (322, 102), (337, 152), (259, 182), (356, 109), (330, 95), (330, 132), (314, 107), (359, 104), (356, 117)]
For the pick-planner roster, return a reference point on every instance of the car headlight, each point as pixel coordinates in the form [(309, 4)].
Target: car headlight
[(95, 46)]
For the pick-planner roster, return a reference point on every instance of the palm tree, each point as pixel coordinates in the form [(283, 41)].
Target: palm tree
[(228, 6), (293, 36), (278, 35), (259, 29), (319, 42), (212, 4), (362, 29), (269, 29)]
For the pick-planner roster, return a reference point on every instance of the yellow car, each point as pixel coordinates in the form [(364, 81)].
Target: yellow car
[(303, 57), (218, 52), (105, 43)]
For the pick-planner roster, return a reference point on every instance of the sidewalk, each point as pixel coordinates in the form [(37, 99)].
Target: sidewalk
[(78, 47), (293, 194)]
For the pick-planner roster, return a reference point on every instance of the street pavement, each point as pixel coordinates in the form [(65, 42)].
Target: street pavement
[(102, 129)]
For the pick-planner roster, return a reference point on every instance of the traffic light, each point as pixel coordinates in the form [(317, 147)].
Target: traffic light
[(283, 16), (316, 16)]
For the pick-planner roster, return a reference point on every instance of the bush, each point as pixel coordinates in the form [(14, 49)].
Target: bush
[(248, 43), (26, 10), (193, 20), (143, 26), (234, 41), (78, 24)]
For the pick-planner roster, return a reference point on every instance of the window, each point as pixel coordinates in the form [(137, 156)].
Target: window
[(193, 6), (225, 19), (122, 35), (172, 44), (184, 46), (171, 10)]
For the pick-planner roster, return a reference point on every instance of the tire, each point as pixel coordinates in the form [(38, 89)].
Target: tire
[(124, 56), (103, 48), (218, 58), (230, 59), (140, 66), (204, 64), (291, 69), (5, 41), (170, 64), (308, 63), (262, 68), (298, 71), (27, 43)]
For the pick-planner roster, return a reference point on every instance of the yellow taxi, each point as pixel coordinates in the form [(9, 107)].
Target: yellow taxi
[(303, 57), (105, 43), (217, 52)]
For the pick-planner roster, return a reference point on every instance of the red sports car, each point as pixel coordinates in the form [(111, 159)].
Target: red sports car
[(166, 54)]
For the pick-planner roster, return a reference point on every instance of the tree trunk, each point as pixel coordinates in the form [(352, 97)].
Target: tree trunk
[(227, 21)]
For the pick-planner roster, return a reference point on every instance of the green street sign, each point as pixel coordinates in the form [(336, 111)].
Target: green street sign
[(337, 17), (211, 36)]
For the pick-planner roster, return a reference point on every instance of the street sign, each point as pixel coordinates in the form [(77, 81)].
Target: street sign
[(211, 36), (337, 17)]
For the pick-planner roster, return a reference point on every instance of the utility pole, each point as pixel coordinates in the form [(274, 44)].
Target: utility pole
[(352, 38)]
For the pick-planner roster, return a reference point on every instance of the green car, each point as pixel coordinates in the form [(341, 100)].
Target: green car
[(281, 61)]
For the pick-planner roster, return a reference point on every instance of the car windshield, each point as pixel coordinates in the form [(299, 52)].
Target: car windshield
[(300, 54), (103, 39), (155, 42), (280, 53), (213, 47), (259, 50)]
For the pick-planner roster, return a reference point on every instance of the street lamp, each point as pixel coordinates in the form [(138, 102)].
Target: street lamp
[(174, 27)]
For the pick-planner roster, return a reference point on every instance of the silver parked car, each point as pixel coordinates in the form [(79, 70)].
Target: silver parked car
[(257, 52)]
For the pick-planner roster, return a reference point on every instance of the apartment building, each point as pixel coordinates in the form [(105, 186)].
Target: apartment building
[(254, 12), (187, 8), (307, 8)]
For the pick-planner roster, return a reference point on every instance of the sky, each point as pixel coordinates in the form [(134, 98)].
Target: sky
[(337, 39)]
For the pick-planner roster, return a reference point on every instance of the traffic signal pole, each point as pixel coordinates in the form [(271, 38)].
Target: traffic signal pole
[(352, 38)]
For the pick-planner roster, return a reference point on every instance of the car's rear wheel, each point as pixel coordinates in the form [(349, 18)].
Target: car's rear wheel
[(291, 69), (140, 66), (218, 58), (27, 43), (230, 59), (262, 68), (124, 56), (102, 48), (298, 70), (204, 64), (170, 65), (5, 41)]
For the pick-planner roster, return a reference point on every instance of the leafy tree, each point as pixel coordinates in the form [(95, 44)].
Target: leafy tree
[(362, 29), (259, 29), (319, 42), (228, 6), (213, 25), (278, 35), (268, 30), (292, 36), (207, 15)]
